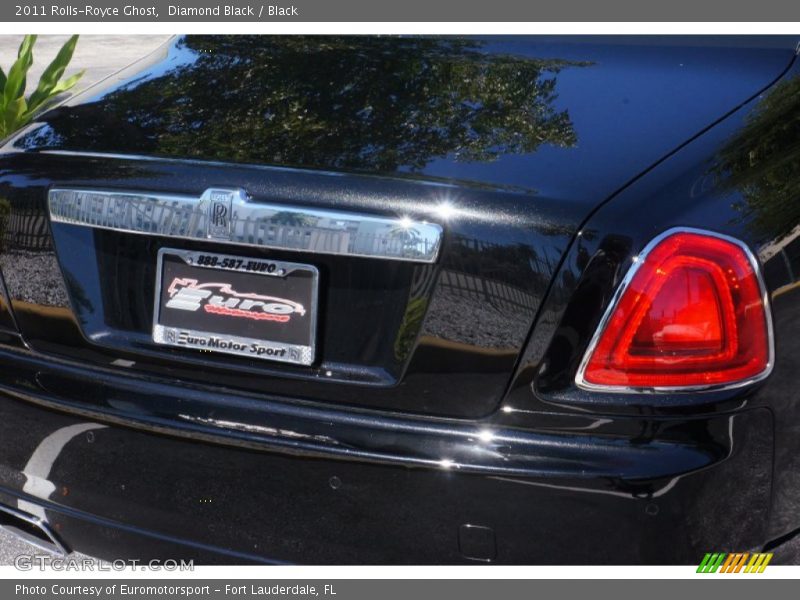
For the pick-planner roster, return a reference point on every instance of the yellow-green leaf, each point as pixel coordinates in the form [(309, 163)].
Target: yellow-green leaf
[(15, 83), (14, 115), (68, 83), (27, 45), (49, 79)]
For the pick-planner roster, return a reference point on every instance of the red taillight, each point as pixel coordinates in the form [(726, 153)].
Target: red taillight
[(691, 314)]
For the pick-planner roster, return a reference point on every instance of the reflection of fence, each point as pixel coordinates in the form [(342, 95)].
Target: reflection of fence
[(26, 229), (481, 273), (421, 281), (495, 293), (782, 261)]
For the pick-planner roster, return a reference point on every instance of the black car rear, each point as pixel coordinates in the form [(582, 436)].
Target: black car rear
[(324, 299)]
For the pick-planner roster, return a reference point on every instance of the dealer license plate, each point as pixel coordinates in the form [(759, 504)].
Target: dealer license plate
[(253, 307)]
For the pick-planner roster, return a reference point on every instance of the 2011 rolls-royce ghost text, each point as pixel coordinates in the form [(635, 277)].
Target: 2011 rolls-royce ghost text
[(408, 300)]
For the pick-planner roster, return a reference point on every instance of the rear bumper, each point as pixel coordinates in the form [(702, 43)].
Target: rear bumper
[(126, 467)]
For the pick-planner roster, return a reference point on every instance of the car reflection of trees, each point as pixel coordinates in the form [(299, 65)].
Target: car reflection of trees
[(762, 164), (378, 104)]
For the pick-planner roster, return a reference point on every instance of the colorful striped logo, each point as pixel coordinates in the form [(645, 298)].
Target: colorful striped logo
[(736, 562)]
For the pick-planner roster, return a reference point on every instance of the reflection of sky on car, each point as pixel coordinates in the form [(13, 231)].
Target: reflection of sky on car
[(168, 58), (655, 93)]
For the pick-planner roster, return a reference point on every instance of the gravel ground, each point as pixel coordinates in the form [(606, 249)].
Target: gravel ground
[(10, 548), (34, 277), (493, 328)]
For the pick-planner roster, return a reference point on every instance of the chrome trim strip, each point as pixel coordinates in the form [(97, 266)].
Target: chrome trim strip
[(229, 216), (638, 262)]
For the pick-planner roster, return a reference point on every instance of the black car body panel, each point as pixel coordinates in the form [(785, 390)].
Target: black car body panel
[(440, 421)]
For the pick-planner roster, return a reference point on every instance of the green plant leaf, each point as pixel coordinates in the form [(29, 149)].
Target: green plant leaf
[(27, 45), (62, 86), (14, 115), (26, 50), (68, 83), (15, 83), (2, 80), (49, 79)]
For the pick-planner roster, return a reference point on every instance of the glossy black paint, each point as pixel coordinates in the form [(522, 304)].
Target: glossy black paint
[(445, 405), (738, 179), (371, 313), (509, 113), (254, 505)]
